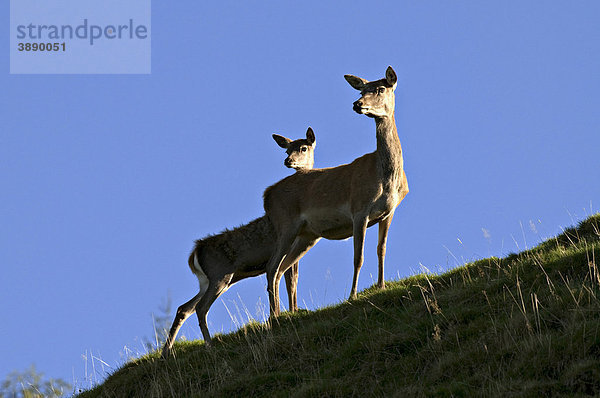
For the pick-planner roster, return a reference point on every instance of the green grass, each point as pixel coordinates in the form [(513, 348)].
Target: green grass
[(525, 325)]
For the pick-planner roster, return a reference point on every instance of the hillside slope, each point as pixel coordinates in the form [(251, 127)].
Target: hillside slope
[(524, 325)]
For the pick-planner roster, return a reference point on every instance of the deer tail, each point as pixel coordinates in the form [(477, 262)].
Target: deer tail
[(196, 268)]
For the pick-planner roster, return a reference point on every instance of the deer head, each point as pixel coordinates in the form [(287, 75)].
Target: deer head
[(301, 152), (377, 98)]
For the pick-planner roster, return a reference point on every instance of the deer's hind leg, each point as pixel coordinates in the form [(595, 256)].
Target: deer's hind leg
[(215, 289), (291, 283), (183, 313), (299, 248), (284, 243)]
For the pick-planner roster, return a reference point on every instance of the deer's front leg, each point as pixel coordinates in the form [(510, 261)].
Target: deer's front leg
[(384, 227), (359, 231)]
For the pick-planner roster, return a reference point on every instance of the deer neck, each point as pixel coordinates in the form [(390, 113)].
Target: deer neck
[(389, 151)]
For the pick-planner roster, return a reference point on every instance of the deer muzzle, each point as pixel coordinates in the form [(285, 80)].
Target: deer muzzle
[(358, 106)]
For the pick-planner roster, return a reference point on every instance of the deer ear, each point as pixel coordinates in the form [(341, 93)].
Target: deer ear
[(310, 136), (356, 82), (282, 141), (390, 77)]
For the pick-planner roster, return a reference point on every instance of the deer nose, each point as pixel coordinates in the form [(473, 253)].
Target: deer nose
[(357, 105), (287, 162)]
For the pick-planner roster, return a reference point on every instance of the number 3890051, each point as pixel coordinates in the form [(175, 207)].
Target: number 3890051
[(42, 46)]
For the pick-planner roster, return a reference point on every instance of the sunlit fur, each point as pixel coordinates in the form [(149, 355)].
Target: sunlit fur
[(339, 202)]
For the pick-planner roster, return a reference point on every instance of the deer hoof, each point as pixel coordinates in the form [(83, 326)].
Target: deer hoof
[(166, 353)]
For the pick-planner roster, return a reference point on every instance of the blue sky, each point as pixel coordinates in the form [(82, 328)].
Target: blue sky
[(108, 179)]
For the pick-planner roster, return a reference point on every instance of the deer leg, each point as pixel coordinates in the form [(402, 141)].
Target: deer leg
[(183, 313), (299, 248), (291, 283), (384, 227), (359, 230), (289, 265), (273, 267), (212, 293), (273, 289)]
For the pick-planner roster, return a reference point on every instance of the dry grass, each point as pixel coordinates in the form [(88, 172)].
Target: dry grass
[(524, 325)]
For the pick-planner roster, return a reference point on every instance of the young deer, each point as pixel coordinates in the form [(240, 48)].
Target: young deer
[(301, 153), (339, 202), (219, 261), (301, 156)]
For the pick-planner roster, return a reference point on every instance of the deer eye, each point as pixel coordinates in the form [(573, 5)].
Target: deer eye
[(303, 149), (380, 90)]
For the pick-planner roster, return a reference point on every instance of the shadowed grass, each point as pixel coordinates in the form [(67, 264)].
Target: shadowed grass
[(525, 325)]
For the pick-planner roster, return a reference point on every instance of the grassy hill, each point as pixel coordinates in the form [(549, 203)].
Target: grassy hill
[(524, 325)]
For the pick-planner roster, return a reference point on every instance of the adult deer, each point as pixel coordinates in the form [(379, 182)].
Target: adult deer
[(219, 261), (339, 202)]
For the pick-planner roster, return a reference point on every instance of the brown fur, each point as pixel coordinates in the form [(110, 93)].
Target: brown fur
[(339, 202), (233, 243), (236, 254)]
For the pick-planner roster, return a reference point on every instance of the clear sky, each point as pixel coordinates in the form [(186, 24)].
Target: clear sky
[(108, 179)]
